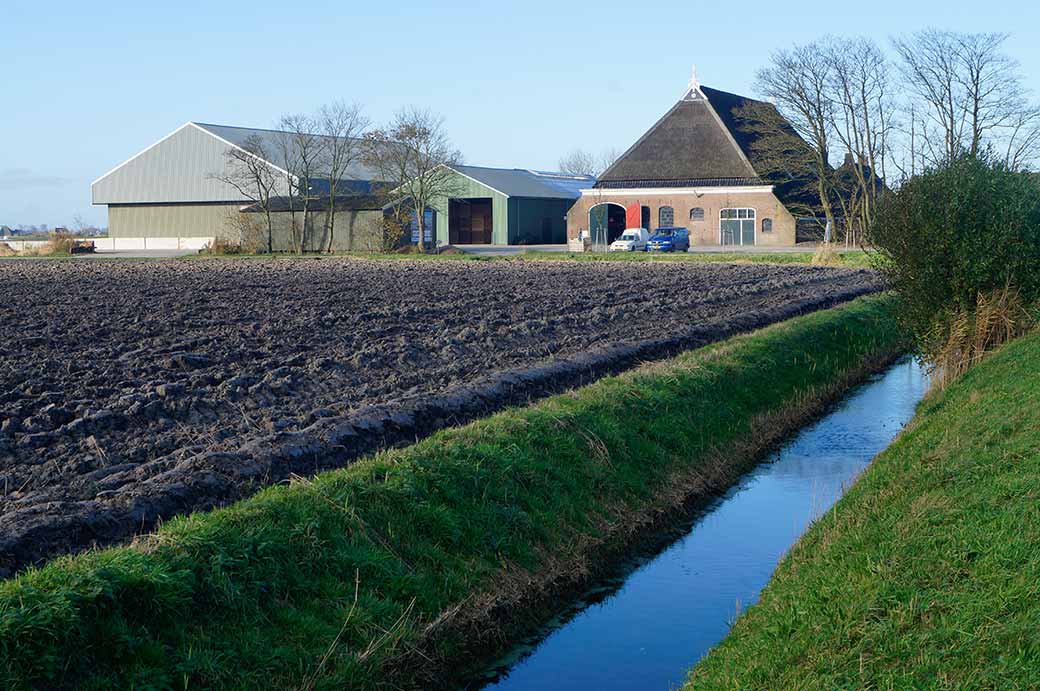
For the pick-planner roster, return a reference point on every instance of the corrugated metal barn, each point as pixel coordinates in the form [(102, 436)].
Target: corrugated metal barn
[(507, 206), (171, 194)]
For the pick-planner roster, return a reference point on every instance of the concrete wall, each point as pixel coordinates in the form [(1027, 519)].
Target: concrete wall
[(682, 200)]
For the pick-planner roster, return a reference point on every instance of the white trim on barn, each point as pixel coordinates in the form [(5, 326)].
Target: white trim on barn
[(628, 191)]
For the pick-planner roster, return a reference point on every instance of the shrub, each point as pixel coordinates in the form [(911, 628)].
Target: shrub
[(953, 236), (393, 233), (221, 246)]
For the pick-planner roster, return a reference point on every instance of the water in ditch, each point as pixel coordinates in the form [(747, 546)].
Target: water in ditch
[(647, 627)]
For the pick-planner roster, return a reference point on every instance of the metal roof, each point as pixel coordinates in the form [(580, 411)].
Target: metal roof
[(273, 143), (521, 182)]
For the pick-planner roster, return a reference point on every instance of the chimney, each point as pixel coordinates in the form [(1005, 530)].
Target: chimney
[(848, 160)]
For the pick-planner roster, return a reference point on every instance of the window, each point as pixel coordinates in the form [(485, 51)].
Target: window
[(767, 225), (737, 227), (696, 214), (666, 217)]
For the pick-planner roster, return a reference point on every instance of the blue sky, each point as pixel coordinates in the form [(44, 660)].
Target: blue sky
[(83, 86)]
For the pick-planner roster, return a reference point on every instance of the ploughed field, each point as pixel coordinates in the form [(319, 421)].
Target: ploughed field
[(134, 391)]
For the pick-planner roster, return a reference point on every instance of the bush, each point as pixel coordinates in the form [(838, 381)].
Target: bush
[(955, 233), (221, 246)]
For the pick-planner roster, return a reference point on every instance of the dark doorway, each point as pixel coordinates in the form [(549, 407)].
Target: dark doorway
[(469, 221), (645, 217), (606, 223)]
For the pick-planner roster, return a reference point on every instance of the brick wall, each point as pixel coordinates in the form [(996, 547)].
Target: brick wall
[(682, 200)]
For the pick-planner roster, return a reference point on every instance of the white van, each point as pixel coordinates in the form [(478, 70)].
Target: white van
[(632, 240)]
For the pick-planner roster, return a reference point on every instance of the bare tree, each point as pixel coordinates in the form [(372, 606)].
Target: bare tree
[(248, 171), (414, 153), (860, 94), (581, 162), (300, 151), (607, 158), (969, 95), (578, 162), (797, 81), (342, 125)]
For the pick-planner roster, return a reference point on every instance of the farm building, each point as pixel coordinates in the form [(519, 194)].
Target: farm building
[(506, 206), (173, 195), (696, 167)]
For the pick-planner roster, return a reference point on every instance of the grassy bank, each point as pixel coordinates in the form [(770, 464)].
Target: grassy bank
[(926, 575), (398, 570)]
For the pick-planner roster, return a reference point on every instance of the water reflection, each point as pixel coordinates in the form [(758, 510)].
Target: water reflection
[(646, 629)]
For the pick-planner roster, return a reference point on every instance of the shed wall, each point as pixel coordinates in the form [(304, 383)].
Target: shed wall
[(527, 217), (465, 188), (184, 167), (359, 231), (171, 220)]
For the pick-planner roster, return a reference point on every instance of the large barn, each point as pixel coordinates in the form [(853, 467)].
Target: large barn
[(171, 194), (697, 167)]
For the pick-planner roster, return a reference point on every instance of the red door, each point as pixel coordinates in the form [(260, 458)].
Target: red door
[(633, 216)]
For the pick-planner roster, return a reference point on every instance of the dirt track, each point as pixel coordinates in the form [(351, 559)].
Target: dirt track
[(133, 391)]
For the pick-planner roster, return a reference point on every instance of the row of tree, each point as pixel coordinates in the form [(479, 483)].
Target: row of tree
[(935, 96), (318, 159)]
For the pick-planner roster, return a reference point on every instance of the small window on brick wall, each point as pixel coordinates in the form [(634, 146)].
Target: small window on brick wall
[(767, 225), (696, 214), (666, 217)]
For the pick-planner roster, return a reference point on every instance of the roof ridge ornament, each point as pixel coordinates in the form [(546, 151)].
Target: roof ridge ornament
[(693, 89)]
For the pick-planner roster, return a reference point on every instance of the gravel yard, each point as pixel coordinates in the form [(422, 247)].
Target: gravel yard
[(133, 391)]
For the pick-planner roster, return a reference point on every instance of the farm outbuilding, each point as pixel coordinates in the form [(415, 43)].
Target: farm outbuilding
[(506, 206), (173, 194)]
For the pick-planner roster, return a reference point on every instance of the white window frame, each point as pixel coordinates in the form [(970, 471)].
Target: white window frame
[(749, 216)]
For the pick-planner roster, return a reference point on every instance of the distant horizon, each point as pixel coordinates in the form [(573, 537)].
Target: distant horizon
[(110, 79)]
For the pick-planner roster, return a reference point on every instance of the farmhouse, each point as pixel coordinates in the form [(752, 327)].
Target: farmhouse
[(506, 206), (173, 194), (697, 167)]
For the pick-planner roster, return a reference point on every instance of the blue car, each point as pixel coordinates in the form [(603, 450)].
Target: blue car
[(669, 240)]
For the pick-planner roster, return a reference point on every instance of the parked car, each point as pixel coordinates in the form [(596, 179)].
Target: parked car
[(632, 240), (669, 240)]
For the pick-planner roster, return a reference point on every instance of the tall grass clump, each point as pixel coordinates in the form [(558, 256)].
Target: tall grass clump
[(826, 255), (961, 245)]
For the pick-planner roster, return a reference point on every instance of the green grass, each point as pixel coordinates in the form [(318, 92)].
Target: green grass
[(927, 573), (849, 258), (338, 582)]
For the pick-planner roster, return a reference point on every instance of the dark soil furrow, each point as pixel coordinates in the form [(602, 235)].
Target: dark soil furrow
[(138, 391)]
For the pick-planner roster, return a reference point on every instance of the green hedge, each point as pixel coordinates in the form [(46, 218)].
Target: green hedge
[(335, 582)]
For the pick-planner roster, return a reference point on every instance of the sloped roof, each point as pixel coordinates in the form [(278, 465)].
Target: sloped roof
[(691, 142), (273, 143), (520, 182)]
